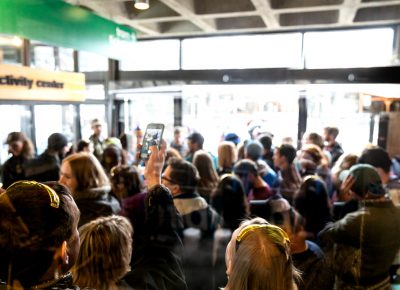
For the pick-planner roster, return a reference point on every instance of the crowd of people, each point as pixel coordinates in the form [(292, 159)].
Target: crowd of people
[(260, 214)]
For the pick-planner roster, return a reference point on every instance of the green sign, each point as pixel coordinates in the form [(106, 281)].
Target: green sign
[(61, 24)]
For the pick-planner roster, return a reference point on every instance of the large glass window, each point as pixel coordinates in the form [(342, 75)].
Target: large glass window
[(341, 108), (10, 49), (349, 48), (153, 55), (146, 108), (88, 113), (15, 118), (217, 110), (62, 121), (235, 52)]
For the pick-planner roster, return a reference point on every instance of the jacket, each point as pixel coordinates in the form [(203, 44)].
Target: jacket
[(96, 202), (156, 262)]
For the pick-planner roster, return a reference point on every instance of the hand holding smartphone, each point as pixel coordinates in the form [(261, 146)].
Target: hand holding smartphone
[(152, 136)]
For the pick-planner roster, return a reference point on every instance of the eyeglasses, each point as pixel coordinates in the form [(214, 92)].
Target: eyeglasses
[(277, 235), (54, 198), (163, 177)]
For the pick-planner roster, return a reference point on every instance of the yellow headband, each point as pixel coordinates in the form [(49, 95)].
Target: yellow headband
[(54, 198)]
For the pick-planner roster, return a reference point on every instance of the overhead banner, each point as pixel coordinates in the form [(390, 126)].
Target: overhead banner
[(24, 83), (58, 23)]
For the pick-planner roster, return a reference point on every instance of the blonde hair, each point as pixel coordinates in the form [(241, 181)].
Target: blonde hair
[(87, 171), (105, 252), (227, 154), (262, 260)]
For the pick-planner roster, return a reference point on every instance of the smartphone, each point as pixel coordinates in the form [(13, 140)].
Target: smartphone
[(152, 136)]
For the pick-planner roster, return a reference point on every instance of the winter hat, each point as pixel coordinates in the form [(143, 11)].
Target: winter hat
[(367, 180), (57, 141)]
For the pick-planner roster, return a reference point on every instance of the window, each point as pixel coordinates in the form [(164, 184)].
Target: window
[(153, 55), (350, 48), (92, 62), (235, 52)]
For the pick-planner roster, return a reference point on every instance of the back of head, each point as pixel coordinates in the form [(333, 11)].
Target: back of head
[(229, 199), (105, 253), (377, 157), (112, 156), (184, 174), (128, 178), (35, 220), (314, 152), (204, 164), (266, 142), (56, 142), (87, 170), (253, 150), (245, 167), (232, 137), (260, 258), (367, 181), (288, 151), (316, 139), (227, 154)]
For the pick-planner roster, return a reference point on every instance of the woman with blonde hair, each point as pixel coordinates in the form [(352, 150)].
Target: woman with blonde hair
[(105, 253), (227, 156), (258, 258), (208, 181), (83, 174)]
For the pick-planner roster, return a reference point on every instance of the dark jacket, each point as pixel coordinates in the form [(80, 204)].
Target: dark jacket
[(96, 202), (13, 170), (365, 243), (156, 262), (46, 167)]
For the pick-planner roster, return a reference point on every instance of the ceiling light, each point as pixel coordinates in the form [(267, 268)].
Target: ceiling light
[(142, 4)]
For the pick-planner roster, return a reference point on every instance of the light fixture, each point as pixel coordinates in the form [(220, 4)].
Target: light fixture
[(142, 4)]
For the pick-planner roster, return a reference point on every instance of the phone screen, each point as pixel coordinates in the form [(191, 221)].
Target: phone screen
[(152, 136)]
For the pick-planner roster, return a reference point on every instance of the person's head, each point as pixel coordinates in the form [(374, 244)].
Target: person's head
[(57, 142), (253, 150), (105, 253), (312, 153), (232, 137), (38, 232), (229, 199), (204, 164), (177, 134), (377, 157), (266, 141), (258, 257), (288, 219), (247, 171), (313, 138), (126, 181), (195, 142), (284, 156), (180, 176), (368, 184), (19, 144), (84, 146), (330, 134), (96, 127), (112, 156), (227, 154), (82, 171), (312, 202)]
